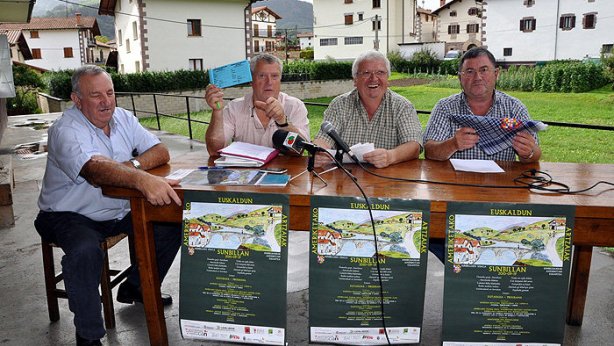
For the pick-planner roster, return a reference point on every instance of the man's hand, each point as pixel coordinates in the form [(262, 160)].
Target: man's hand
[(379, 158), (158, 190), (214, 97), (273, 109), (524, 145), (465, 138)]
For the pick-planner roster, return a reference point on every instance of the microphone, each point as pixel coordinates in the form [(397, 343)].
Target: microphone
[(329, 129), (292, 142)]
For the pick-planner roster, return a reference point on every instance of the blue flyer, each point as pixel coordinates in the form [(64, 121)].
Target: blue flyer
[(231, 74)]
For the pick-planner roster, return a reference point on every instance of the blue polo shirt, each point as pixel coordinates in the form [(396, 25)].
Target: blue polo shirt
[(72, 142)]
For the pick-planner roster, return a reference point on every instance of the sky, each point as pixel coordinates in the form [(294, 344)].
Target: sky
[(428, 4)]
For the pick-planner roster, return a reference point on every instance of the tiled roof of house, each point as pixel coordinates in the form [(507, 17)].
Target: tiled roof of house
[(55, 23), (265, 8), (15, 37), (11, 35)]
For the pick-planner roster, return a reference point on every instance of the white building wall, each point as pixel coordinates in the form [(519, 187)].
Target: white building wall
[(462, 40), (305, 42), (52, 44), (223, 33), (123, 21), (329, 22), (547, 41)]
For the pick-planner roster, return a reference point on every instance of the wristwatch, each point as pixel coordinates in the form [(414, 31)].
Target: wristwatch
[(135, 163), (282, 125)]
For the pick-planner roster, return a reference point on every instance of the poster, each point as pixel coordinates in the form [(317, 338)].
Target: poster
[(234, 267), (506, 273), (353, 278)]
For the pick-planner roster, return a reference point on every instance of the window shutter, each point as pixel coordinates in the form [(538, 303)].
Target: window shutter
[(521, 22), (449, 29), (561, 22), (573, 21), (534, 22)]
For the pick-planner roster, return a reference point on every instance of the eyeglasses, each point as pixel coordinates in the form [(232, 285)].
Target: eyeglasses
[(368, 74), (263, 76), (482, 71)]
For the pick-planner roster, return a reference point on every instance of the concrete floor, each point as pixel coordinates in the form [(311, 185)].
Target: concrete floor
[(23, 310)]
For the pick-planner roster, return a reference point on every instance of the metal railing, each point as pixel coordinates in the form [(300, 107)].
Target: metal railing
[(189, 119)]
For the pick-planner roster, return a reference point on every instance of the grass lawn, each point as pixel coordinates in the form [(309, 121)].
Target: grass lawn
[(559, 144)]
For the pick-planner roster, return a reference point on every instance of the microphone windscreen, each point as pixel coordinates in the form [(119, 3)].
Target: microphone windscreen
[(288, 142)]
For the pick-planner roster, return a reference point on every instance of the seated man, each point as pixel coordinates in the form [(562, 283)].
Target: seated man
[(444, 138), (372, 113), (91, 145), (256, 116)]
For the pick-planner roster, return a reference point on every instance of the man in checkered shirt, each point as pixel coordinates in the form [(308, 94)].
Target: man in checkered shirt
[(371, 113), (445, 138)]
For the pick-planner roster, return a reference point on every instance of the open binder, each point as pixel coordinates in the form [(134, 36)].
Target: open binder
[(241, 154)]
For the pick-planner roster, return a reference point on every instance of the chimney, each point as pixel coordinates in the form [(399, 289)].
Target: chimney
[(442, 2), (78, 16)]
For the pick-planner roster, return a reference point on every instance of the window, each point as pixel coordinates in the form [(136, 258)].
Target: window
[(137, 67), (473, 11), (527, 24), (348, 1), (196, 64), (453, 29), (360, 16), (529, 3), (194, 27), (36, 53), (567, 22), (349, 19), (377, 4), (328, 42), (269, 31), (452, 13), (256, 32), (376, 25), (256, 46), (353, 40), (507, 51), (473, 28), (135, 33), (34, 34), (68, 52), (120, 39), (607, 48), (589, 20), (128, 45)]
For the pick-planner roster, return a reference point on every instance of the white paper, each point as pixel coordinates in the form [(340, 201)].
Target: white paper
[(359, 149), (180, 173), (479, 166), (247, 151)]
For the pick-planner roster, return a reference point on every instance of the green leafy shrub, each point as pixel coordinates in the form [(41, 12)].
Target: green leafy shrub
[(306, 54), (27, 84)]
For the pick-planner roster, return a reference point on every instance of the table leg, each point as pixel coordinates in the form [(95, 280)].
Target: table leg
[(144, 246), (578, 285)]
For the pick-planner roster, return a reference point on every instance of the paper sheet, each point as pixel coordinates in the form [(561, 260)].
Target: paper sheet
[(479, 166)]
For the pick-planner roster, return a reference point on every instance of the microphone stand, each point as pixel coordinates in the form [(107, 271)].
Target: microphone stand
[(312, 150)]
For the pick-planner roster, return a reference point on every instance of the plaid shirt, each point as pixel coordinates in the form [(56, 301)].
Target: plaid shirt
[(395, 122), (449, 114)]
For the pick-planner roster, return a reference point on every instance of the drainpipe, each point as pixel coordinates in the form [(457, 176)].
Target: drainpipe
[(556, 27)]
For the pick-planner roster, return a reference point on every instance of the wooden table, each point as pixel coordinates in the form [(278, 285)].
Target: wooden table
[(594, 222)]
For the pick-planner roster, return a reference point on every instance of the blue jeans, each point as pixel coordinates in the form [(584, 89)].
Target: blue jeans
[(80, 237)]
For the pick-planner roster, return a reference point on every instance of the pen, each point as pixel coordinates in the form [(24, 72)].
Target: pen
[(204, 168)]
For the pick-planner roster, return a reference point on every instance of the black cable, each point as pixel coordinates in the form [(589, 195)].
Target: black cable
[(379, 274)]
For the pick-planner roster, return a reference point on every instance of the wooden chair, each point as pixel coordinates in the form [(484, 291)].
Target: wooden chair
[(109, 279)]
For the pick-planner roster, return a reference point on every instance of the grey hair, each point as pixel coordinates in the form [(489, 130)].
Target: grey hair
[(267, 58), (369, 55), (86, 70)]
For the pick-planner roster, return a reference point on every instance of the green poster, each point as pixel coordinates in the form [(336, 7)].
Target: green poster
[(506, 273), (234, 267), (366, 289)]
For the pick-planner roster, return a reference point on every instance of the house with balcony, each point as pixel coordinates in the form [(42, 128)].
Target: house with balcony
[(19, 51), (344, 29), (525, 32), (59, 43), (264, 24), (460, 24), (173, 35)]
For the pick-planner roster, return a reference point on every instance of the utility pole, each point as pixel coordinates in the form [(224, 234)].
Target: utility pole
[(286, 44)]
